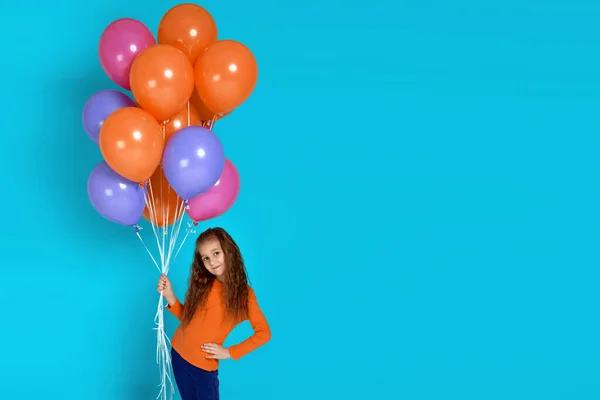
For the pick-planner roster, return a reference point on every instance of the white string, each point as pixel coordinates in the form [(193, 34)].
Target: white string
[(163, 356), (165, 247), (189, 230), (148, 250)]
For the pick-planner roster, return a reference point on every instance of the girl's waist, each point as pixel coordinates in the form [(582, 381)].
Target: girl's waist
[(189, 345)]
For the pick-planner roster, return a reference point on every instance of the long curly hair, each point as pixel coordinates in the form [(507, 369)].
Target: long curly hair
[(235, 285)]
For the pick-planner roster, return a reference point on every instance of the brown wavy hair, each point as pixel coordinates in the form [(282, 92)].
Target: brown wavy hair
[(235, 285)]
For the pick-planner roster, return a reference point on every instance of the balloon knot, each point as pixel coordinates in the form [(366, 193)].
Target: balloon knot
[(190, 228)]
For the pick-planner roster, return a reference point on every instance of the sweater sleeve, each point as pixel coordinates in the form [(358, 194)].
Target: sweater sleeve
[(176, 309), (262, 332)]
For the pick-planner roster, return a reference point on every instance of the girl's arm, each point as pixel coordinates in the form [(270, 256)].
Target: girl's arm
[(176, 309), (262, 332)]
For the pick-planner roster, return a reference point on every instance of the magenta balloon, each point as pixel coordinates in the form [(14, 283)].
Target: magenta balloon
[(119, 44), (219, 198)]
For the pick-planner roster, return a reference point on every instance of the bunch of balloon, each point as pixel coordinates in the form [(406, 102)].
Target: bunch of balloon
[(161, 158)]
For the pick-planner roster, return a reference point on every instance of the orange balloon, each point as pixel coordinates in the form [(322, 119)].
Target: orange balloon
[(131, 142), (203, 112), (181, 120), (188, 27), (167, 204), (162, 80), (225, 75)]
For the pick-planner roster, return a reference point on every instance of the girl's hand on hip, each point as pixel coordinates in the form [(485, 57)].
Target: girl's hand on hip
[(216, 351)]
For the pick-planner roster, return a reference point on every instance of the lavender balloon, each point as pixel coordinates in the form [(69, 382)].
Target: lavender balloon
[(193, 161), (115, 198), (100, 106)]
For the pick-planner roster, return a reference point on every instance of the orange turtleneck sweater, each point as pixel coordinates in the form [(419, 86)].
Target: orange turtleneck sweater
[(209, 325)]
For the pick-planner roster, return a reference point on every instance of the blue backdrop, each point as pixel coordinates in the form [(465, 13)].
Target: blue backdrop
[(419, 205)]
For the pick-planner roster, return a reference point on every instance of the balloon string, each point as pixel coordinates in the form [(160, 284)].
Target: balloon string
[(165, 225), (151, 204), (148, 250), (188, 231), (165, 247), (182, 242), (173, 241), (163, 357), (162, 349), (210, 124), (188, 114)]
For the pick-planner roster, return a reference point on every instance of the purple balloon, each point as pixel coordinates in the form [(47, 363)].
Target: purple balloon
[(115, 198), (193, 161), (100, 106)]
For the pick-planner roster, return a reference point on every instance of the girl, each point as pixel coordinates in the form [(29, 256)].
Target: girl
[(218, 298)]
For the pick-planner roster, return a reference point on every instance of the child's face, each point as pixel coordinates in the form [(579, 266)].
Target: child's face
[(212, 256)]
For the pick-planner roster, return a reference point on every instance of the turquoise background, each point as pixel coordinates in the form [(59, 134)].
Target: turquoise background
[(419, 209)]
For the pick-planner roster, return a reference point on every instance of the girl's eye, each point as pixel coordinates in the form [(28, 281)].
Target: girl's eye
[(217, 252)]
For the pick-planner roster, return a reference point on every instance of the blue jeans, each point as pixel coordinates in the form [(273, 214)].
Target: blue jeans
[(194, 383)]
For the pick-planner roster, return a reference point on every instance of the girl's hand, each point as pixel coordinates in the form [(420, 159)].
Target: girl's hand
[(164, 287), (217, 352)]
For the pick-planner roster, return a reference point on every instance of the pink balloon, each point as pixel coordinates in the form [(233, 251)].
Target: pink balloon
[(219, 198), (120, 43)]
